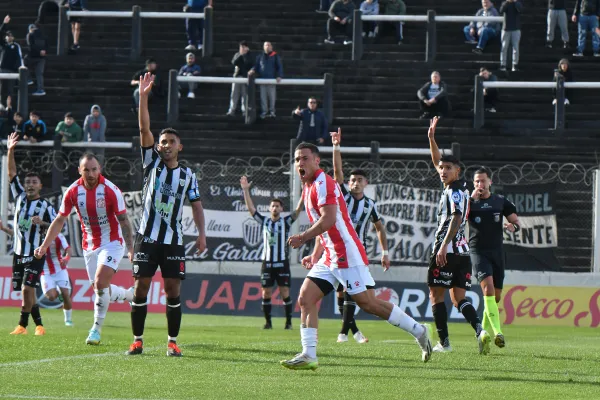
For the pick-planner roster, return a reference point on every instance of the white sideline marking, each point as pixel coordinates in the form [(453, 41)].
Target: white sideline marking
[(16, 396)]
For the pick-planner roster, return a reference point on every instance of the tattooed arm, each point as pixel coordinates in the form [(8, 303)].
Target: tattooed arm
[(127, 234)]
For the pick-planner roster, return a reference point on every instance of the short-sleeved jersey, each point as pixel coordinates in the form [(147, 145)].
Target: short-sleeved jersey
[(362, 212), (28, 236), (98, 209), (275, 236), (342, 247), (54, 255), (165, 190), (486, 222), (454, 200)]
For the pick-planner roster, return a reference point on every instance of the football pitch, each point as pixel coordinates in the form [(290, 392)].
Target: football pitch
[(233, 358)]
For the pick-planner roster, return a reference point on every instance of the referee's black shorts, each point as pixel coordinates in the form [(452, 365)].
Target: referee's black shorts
[(489, 263), (272, 272)]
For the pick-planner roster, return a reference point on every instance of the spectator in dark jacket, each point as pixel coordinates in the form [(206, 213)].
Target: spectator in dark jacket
[(35, 130), (511, 32), (490, 95), (36, 59), (195, 26), (157, 86), (393, 7), (313, 124), (586, 14), (11, 59), (190, 69), (75, 5), (324, 6), (481, 32), (242, 63), (268, 66), (433, 97), (341, 13), (564, 70), (557, 13)]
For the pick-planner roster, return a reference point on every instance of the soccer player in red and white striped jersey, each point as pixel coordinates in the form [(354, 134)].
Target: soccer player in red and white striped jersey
[(344, 261), (106, 228), (55, 276)]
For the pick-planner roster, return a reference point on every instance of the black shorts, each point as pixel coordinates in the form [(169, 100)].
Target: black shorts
[(489, 263), (149, 255), (456, 273), (75, 20), (275, 272), (27, 271)]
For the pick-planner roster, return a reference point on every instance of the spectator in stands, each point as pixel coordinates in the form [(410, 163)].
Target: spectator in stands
[(195, 26), (481, 32), (564, 70), (586, 15), (341, 13), (557, 13), (242, 64), (433, 97), (490, 95), (75, 5), (69, 130), (190, 68), (511, 32), (268, 65), (324, 6), (36, 59), (11, 59), (13, 120), (35, 130), (313, 124), (94, 126), (157, 87), (393, 7), (369, 7)]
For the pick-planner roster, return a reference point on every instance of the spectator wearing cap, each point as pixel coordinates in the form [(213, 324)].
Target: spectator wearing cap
[(242, 64), (313, 124), (10, 60), (36, 59), (190, 68), (157, 87)]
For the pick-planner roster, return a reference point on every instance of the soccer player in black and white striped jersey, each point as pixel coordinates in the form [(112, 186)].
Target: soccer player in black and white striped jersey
[(159, 240), (275, 263), (363, 211), (33, 216), (450, 265)]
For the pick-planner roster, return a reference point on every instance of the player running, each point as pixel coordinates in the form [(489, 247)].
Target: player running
[(485, 241), (159, 239), (343, 261), (55, 276), (32, 217), (275, 263), (450, 266), (363, 210), (106, 228)]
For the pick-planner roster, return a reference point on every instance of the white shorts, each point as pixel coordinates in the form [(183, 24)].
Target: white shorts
[(51, 281), (354, 279), (110, 255)]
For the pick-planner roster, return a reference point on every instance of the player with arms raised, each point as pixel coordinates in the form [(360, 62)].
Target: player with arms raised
[(344, 261)]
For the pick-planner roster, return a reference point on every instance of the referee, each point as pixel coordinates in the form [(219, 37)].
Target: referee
[(485, 240), (275, 263)]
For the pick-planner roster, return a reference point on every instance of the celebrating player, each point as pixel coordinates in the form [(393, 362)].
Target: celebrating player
[(159, 239), (450, 266), (56, 277), (33, 216), (105, 226), (362, 211), (275, 263), (485, 240), (344, 261)]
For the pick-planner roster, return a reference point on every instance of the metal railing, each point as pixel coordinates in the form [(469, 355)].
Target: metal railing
[(559, 108), (251, 81), (23, 100), (136, 26), (431, 30)]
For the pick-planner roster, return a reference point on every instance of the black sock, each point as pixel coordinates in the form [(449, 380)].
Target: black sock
[(266, 307), (349, 309), (440, 316), (24, 319), (468, 311), (289, 307), (173, 315), (340, 303), (139, 309), (36, 316)]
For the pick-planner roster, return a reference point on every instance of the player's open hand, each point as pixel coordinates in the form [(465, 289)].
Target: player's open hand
[(201, 243), (244, 183), (7, 19), (336, 137), (432, 125), (509, 227), (146, 82), (385, 262), (295, 241), (40, 252), (440, 257), (12, 141)]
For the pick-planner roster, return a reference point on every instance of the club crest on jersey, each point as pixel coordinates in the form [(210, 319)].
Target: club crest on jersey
[(252, 232), (182, 182), (496, 217), (456, 197), (477, 220), (100, 203)]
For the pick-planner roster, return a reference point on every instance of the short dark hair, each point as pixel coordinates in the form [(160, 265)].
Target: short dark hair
[(33, 174), (483, 69), (17, 114), (169, 131), (450, 159), (69, 115), (359, 172), (276, 200), (483, 170), (88, 156), (151, 61), (244, 43), (34, 112), (313, 148)]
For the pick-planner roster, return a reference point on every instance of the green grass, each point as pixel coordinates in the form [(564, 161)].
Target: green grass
[(233, 358)]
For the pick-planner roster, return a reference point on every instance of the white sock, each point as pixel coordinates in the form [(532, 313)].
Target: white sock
[(308, 337), (100, 308), (118, 293), (172, 339), (138, 338), (403, 321), (67, 314)]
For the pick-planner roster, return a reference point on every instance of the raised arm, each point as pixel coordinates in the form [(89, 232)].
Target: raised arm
[(298, 209), (198, 214), (338, 170), (433, 147), (55, 228), (146, 137), (247, 198), (12, 141), (127, 234)]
